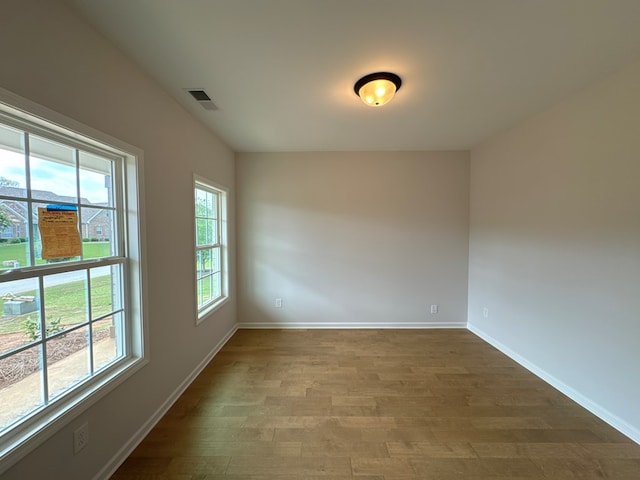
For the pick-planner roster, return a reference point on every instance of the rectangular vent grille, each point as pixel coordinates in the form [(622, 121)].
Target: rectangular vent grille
[(200, 95), (202, 98)]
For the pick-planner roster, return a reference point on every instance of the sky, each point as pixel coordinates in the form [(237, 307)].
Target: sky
[(52, 176)]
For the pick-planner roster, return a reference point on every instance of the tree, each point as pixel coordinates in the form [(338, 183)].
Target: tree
[(5, 220), (7, 182)]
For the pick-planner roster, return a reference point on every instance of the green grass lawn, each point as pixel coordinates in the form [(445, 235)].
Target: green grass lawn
[(96, 249), (13, 251), (18, 252), (68, 303)]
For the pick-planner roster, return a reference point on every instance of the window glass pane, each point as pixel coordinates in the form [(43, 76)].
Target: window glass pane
[(20, 320), (212, 202), (97, 232), (67, 360), (202, 204), (205, 292), (201, 232), (12, 166), (206, 204), (65, 300), (53, 172), (203, 275), (105, 287), (215, 259), (95, 180), (213, 231), (117, 286), (216, 285), (118, 322), (203, 262), (20, 385), (206, 232), (14, 246), (105, 335)]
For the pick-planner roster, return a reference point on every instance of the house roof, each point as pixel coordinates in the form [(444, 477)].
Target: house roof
[(11, 198)]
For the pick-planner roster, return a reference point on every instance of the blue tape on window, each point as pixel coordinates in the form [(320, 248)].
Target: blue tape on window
[(62, 208)]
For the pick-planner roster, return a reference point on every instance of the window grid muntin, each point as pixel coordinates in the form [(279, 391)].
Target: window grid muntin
[(39, 272)]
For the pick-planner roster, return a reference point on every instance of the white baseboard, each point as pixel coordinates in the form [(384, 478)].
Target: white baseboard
[(121, 455), (616, 422), (352, 325)]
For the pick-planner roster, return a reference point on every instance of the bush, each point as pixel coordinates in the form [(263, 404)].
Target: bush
[(15, 240), (58, 260), (32, 327)]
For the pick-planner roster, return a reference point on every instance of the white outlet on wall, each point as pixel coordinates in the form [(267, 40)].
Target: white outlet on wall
[(278, 303), (434, 309), (485, 312), (80, 437)]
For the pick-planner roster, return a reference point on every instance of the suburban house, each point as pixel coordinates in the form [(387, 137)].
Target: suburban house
[(95, 222), (501, 186)]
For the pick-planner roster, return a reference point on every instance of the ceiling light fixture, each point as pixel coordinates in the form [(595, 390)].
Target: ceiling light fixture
[(378, 88)]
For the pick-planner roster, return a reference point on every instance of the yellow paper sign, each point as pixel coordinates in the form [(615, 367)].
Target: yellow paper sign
[(59, 233)]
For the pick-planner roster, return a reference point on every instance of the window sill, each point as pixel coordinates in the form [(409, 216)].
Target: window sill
[(207, 312)]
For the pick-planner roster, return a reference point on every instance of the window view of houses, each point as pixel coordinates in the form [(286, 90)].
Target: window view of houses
[(96, 224)]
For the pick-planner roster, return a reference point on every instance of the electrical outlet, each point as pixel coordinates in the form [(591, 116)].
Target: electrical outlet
[(434, 309), (80, 437), (278, 303), (485, 312)]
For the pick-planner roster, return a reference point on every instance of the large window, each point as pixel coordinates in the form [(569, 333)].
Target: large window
[(211, 243), (70, 318)]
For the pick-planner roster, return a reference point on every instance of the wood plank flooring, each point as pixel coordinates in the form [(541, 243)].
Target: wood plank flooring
[(375, 405)]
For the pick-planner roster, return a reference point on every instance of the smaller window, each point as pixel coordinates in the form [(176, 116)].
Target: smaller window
[(211, 246)]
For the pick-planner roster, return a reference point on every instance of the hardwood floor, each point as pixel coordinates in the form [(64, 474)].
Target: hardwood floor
[(375, 405)]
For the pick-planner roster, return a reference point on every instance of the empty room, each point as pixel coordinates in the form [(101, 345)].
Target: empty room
[(319, 239)]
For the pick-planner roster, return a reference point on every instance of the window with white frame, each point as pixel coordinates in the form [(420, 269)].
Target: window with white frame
[(70, 325), (211, 245)]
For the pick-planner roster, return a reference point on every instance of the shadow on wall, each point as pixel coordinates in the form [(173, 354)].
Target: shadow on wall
[(330, 268), (353, 237)]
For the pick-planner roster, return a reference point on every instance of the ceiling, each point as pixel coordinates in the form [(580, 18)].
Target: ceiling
[(282, 71)]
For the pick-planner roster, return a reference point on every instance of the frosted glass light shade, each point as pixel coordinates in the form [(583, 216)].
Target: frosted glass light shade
[(377, 89), (377, 93)]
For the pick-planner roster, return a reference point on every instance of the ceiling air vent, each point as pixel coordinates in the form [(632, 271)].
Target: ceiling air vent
[(202, 98)]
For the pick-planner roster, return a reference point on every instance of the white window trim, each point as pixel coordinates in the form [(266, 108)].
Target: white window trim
[(26, 437), (204, 183)]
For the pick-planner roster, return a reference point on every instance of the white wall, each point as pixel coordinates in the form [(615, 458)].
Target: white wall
[(50, 56), (555, 246), (353, 239)]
